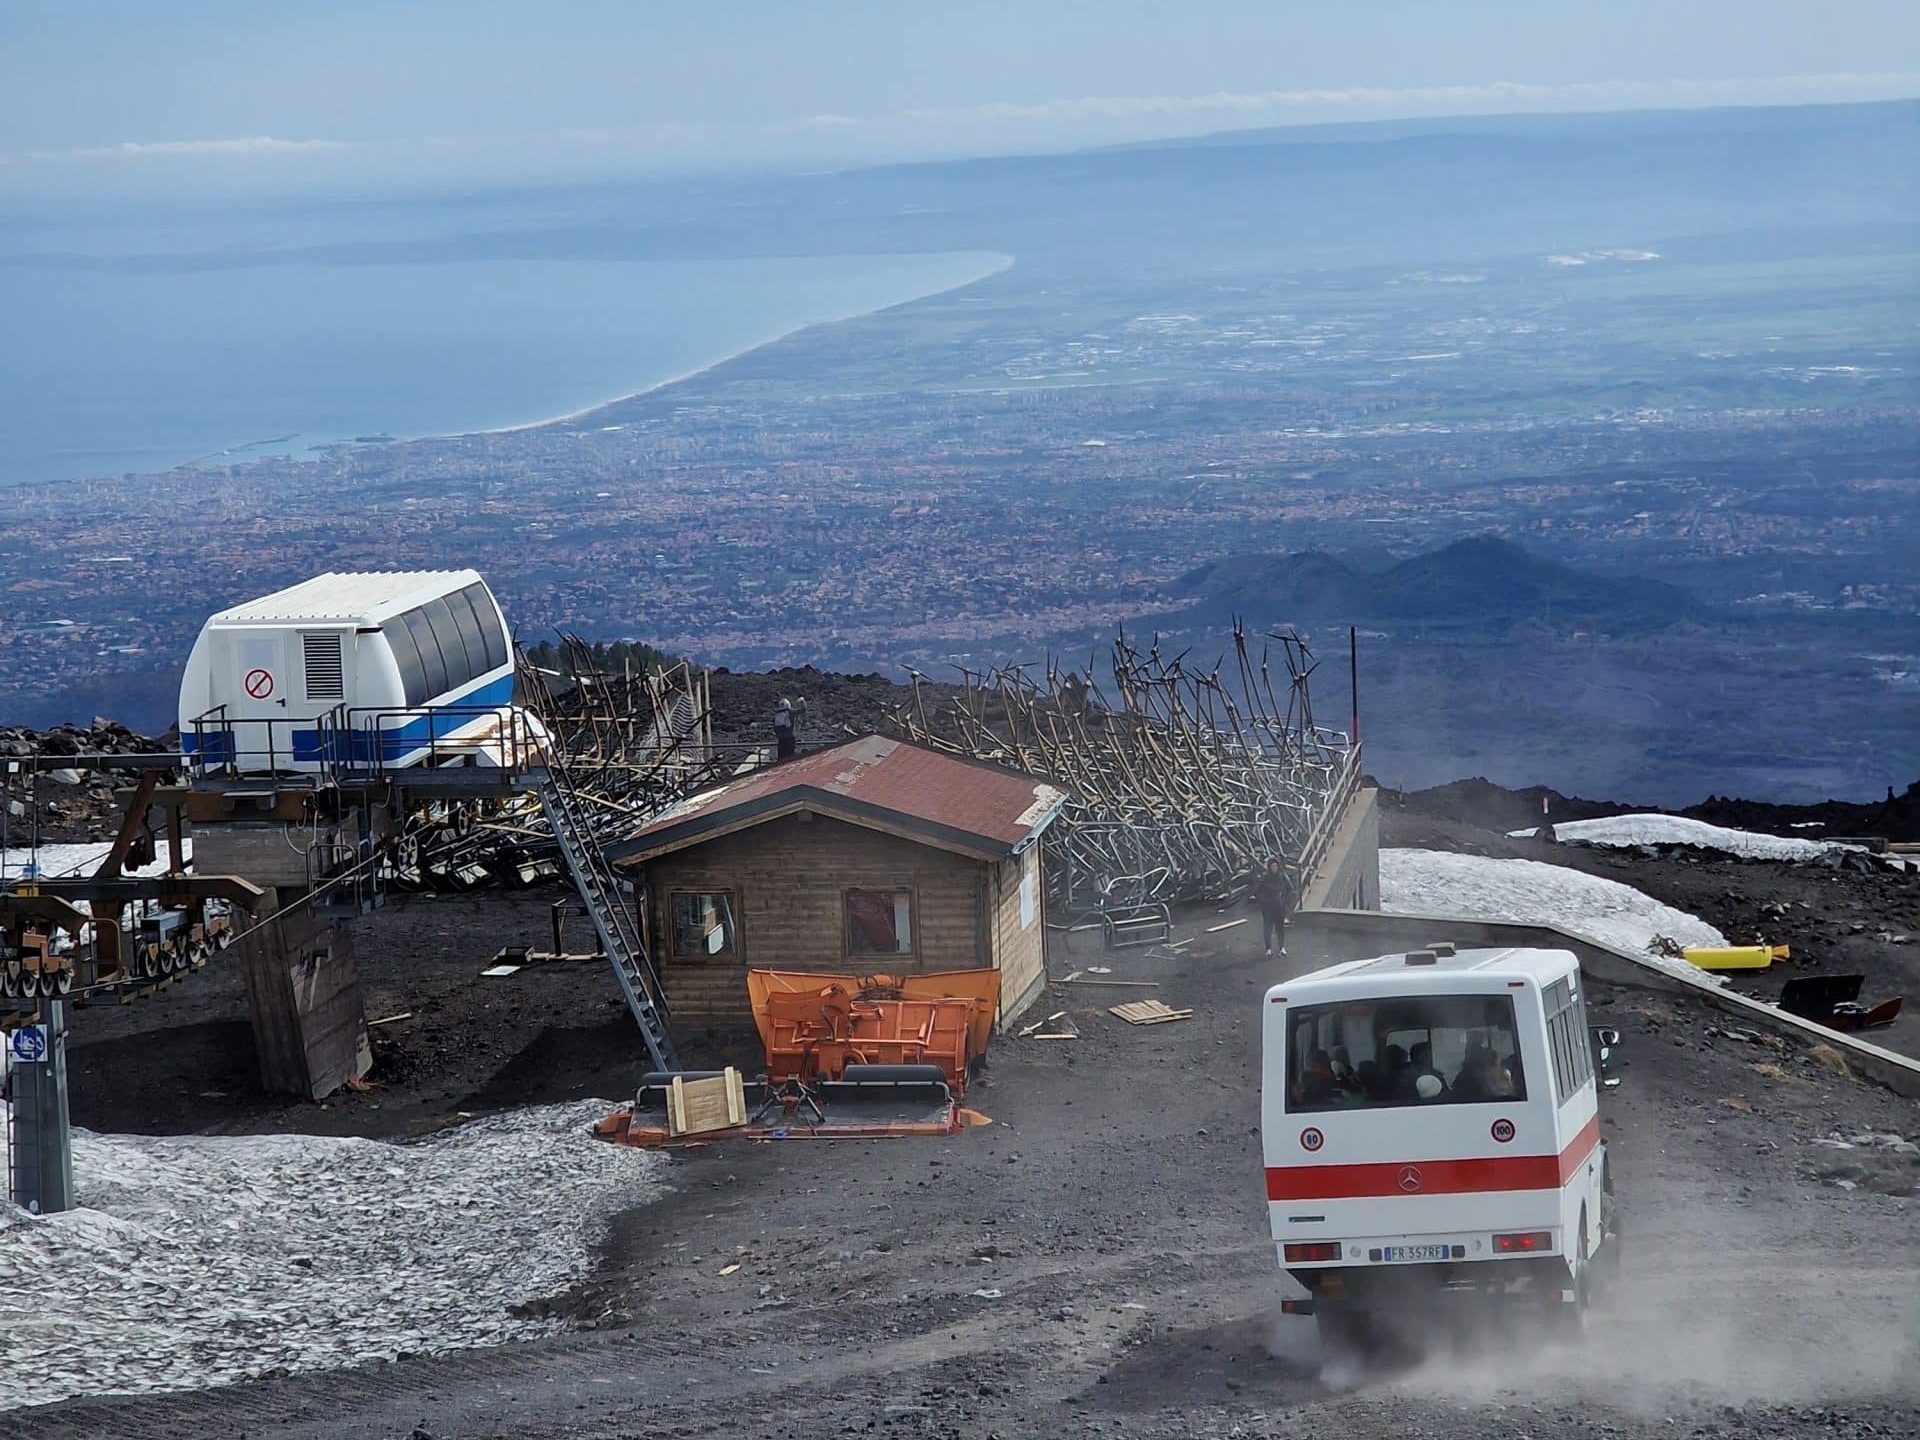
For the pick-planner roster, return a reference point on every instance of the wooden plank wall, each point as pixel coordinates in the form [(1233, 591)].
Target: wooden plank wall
[(789, 879), (303, 994), (1021, 948)]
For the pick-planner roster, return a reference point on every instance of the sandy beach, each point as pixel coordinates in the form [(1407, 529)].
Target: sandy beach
[(1003, 264)]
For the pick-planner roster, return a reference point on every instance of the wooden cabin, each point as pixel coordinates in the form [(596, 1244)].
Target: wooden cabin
[(876, 856)]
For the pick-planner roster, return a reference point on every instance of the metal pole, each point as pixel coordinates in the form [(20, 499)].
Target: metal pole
[(42, 1169), (1353, 672)]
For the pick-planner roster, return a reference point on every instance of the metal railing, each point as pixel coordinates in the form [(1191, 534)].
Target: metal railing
[(361, 743)]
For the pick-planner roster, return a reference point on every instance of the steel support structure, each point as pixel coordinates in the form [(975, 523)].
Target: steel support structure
[(40, 1136)]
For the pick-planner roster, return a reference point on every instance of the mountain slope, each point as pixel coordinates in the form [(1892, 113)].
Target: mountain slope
[(1478, 583)]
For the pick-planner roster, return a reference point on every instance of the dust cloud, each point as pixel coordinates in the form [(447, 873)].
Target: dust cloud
[(1711, 1306)]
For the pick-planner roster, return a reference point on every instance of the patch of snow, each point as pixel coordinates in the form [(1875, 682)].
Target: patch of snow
[(80, 859), (203, 1260), (1531, 892), (1678, 830)]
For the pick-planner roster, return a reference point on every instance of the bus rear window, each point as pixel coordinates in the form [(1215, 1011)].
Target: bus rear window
[(1422, 1050)]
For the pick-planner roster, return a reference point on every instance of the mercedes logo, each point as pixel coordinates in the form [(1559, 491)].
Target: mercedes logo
[(1410, 1178)]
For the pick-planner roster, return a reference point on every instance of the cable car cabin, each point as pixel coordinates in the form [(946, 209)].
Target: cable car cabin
[(1431, 1125), (379, 670)]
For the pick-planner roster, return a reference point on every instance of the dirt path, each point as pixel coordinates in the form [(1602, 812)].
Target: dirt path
[(1095, 1263)]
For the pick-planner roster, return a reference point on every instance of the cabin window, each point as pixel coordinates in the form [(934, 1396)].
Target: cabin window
[(1403, 1051), (703, 925), (406, 654), (433, 661), (493, 638), (447, 643), (460, 667), (879, 922), (471, 640)]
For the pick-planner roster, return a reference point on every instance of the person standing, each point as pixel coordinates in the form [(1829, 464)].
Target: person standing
[(783, 729), (1274, 891)]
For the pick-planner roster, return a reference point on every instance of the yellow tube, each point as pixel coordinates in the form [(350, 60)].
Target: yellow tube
[(1731, 957)]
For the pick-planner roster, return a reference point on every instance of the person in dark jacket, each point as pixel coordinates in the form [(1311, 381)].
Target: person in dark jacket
[(784, 737), (1274, 891)]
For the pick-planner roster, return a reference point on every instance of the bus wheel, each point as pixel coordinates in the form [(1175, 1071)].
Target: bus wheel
[(1567, 1319), (1609, 1240)]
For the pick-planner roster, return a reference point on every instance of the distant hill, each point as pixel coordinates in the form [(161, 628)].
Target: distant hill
[(1479, 583), (1791, 123)]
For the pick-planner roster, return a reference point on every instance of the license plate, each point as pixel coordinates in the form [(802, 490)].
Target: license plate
[(1417, 1252)]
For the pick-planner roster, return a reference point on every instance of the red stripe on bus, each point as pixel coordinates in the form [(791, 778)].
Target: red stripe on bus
[(1437, 1177)]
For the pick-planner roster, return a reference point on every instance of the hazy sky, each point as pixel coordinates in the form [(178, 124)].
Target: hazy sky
[(105, 96)]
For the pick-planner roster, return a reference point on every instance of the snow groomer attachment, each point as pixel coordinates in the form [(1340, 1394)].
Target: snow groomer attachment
[(847, 1057)]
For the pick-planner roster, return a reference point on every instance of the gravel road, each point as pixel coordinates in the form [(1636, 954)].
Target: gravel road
[(1095, 1262)]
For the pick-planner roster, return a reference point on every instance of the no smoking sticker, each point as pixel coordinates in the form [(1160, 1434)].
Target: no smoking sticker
[(259, 683)]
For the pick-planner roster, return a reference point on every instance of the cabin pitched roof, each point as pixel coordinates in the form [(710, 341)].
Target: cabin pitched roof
[(945, 801)]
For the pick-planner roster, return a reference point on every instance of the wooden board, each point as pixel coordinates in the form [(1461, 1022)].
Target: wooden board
[(1148, 1012), (695, 1107), (1080, 977)]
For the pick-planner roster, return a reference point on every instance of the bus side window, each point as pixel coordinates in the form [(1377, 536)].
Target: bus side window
[(1582, 1038)]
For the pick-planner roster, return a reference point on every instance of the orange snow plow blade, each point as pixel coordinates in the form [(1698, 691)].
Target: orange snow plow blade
[(814, 1025), (848, 1057)]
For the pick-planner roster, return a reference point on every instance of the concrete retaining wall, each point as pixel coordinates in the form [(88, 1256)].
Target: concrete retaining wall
[(1346, 934), (1349, 876)]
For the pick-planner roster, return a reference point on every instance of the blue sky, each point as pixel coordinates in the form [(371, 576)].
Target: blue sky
[(106, 96)]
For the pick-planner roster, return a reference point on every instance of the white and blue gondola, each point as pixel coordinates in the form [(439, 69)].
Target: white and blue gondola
[(368, 671)]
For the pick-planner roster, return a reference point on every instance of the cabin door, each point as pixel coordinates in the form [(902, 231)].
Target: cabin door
[(259, 686)]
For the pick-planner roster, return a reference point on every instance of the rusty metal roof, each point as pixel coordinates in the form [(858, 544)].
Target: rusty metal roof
[(941, 800)]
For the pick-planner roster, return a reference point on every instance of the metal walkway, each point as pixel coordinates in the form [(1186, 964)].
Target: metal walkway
[(612, 922)]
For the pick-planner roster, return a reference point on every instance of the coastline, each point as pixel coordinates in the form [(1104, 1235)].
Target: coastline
[(354, 435), (1006, 263)]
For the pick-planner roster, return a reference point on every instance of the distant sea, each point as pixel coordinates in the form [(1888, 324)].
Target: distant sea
[(116, 361)]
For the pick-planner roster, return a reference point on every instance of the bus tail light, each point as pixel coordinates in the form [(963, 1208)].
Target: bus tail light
[(1527, 1242), (1316, 1250)]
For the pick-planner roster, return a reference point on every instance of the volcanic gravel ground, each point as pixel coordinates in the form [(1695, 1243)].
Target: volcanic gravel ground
[(182, 1060), (1096, 1262)]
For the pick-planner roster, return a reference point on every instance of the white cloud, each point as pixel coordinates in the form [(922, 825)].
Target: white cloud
[(830, 122), (1498, 95), (146, 149)]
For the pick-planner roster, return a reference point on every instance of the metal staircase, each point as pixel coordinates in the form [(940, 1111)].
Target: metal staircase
[(612, 921)]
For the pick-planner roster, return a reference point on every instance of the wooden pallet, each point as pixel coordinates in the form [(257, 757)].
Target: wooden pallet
[(1148, 1012), (697, 1107)]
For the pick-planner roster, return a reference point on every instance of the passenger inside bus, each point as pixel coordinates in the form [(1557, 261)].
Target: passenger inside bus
[(1399, 1051), (1481, 1077)]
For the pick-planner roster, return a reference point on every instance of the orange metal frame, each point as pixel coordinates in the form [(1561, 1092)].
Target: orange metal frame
[(814, 1025)]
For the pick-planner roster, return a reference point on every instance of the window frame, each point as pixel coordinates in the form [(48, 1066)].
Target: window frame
[(730, 951), (847, 925), (1567, 1043)]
